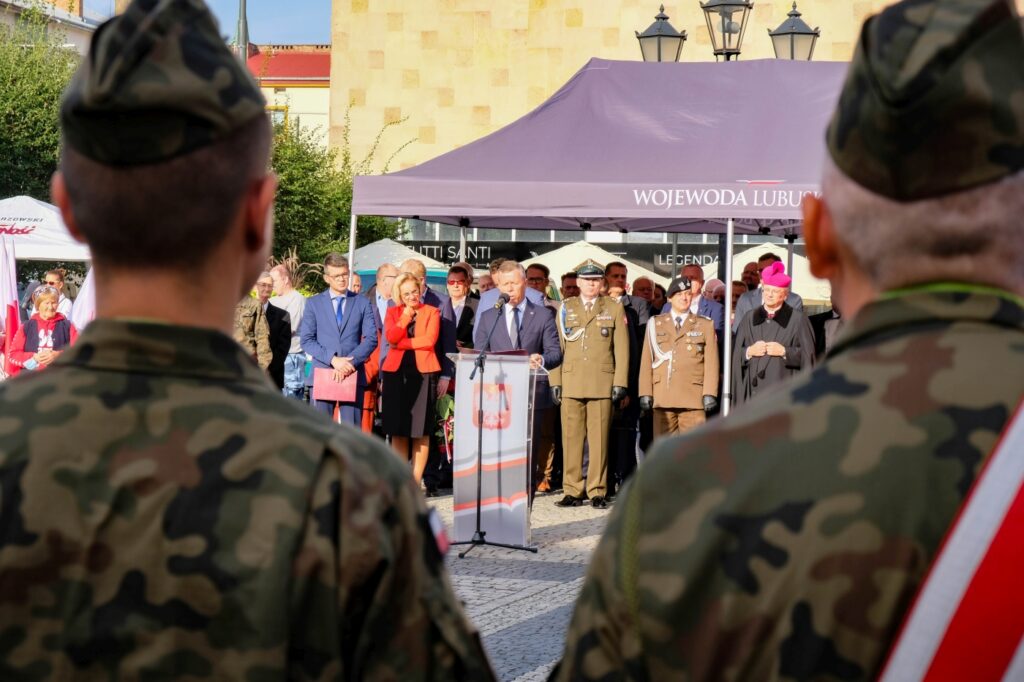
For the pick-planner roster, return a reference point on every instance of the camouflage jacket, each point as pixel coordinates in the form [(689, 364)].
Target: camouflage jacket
[(786, 541), (252, 331), (165, 513)]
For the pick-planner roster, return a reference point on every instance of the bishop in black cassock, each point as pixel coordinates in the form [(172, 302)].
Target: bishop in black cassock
[(773, 341)]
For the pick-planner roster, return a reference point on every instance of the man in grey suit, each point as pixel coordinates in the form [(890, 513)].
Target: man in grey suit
[(524, 325)]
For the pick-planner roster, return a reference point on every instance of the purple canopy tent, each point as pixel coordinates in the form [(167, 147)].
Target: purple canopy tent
[(636, 146)]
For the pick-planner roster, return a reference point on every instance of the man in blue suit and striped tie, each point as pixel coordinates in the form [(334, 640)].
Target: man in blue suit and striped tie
[(339, 332)]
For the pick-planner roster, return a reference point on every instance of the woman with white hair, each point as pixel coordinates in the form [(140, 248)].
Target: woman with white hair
[(45, 336)]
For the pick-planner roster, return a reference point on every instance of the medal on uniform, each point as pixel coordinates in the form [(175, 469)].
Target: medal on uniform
[(604, 331)]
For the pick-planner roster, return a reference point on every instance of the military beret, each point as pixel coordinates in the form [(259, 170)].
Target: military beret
[(158, 82), (678, 284), (932, 101), (589, 269)]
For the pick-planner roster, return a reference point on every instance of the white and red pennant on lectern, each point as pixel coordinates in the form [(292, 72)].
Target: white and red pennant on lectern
[(967, 623)]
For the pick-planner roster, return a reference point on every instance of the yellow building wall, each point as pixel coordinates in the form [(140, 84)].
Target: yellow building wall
[(308, 107), (460, 69)]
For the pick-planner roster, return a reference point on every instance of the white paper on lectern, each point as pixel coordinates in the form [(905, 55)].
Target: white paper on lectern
[(507, 440)]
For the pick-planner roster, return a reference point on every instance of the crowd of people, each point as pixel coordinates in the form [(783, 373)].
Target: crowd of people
[(660, 367)]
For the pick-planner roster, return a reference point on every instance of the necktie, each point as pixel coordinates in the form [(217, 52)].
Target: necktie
[(339, 313), (513, 333), (588, 306), (679, 323)]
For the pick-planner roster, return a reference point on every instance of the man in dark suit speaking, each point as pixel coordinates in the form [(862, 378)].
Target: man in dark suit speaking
[(339, 331), (523, 325)]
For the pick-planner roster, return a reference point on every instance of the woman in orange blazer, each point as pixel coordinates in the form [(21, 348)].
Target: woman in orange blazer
[(409, 374)]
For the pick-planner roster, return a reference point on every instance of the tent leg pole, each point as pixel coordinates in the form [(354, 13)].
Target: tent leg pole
[(462, 243), (352, 241), (726, 391), (790, 239), (675, 254), (723, 256)]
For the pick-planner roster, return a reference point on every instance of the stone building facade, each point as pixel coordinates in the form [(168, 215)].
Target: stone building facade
[(460, 69)]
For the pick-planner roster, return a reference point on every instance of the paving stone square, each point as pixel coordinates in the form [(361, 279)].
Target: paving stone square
[(522, 602)]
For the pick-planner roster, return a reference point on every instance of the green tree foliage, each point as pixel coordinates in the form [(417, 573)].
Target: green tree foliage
[(34, 69), (314, 196)]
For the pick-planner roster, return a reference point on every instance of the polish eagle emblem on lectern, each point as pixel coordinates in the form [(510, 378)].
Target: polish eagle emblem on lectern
[(497, 412)]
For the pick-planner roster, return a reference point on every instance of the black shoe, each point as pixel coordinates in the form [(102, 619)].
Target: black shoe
[(431, 491), (569, 501), (599, 502)]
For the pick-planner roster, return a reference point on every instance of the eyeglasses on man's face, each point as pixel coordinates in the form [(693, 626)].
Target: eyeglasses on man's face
[(456, 282), (537, 280)]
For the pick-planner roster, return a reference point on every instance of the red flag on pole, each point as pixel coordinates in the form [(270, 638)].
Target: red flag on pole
[(11, 324)]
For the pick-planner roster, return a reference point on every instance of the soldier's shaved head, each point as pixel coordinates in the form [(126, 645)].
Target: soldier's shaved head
[(168, 214)]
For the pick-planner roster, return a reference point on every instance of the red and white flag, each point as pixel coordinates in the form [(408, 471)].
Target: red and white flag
[(968, 620)]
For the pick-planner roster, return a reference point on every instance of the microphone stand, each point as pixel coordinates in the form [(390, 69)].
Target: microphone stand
[(479, 536)]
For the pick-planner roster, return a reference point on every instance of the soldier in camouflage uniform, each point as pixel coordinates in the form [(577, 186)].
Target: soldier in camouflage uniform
[(252, 331), (787, 541), (165, 513)]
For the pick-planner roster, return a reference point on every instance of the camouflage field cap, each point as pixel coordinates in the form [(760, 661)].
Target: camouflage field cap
[(158, 82), (589, 269), (932, 103)]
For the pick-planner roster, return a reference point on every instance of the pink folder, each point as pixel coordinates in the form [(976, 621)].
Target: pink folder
[(326, 388)]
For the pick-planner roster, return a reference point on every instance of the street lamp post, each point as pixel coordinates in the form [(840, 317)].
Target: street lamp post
[(725, 27), (661, 42), (794, 39)]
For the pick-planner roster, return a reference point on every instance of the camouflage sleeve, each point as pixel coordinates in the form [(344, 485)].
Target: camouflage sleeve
[(603, 640), (372, 591), (244, 331), (264, 353)]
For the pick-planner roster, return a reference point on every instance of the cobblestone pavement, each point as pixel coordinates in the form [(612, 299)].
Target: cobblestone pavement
[(521, 601)]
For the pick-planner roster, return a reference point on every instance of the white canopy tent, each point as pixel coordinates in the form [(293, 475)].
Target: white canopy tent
[(809, 287), (372, 256), (571, 255), (37, 231)]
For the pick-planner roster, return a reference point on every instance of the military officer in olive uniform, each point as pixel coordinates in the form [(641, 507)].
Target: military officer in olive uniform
[(679, 364), (594, 375)]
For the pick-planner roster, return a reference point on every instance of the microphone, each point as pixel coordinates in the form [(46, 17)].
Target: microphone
[(502, 300)]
